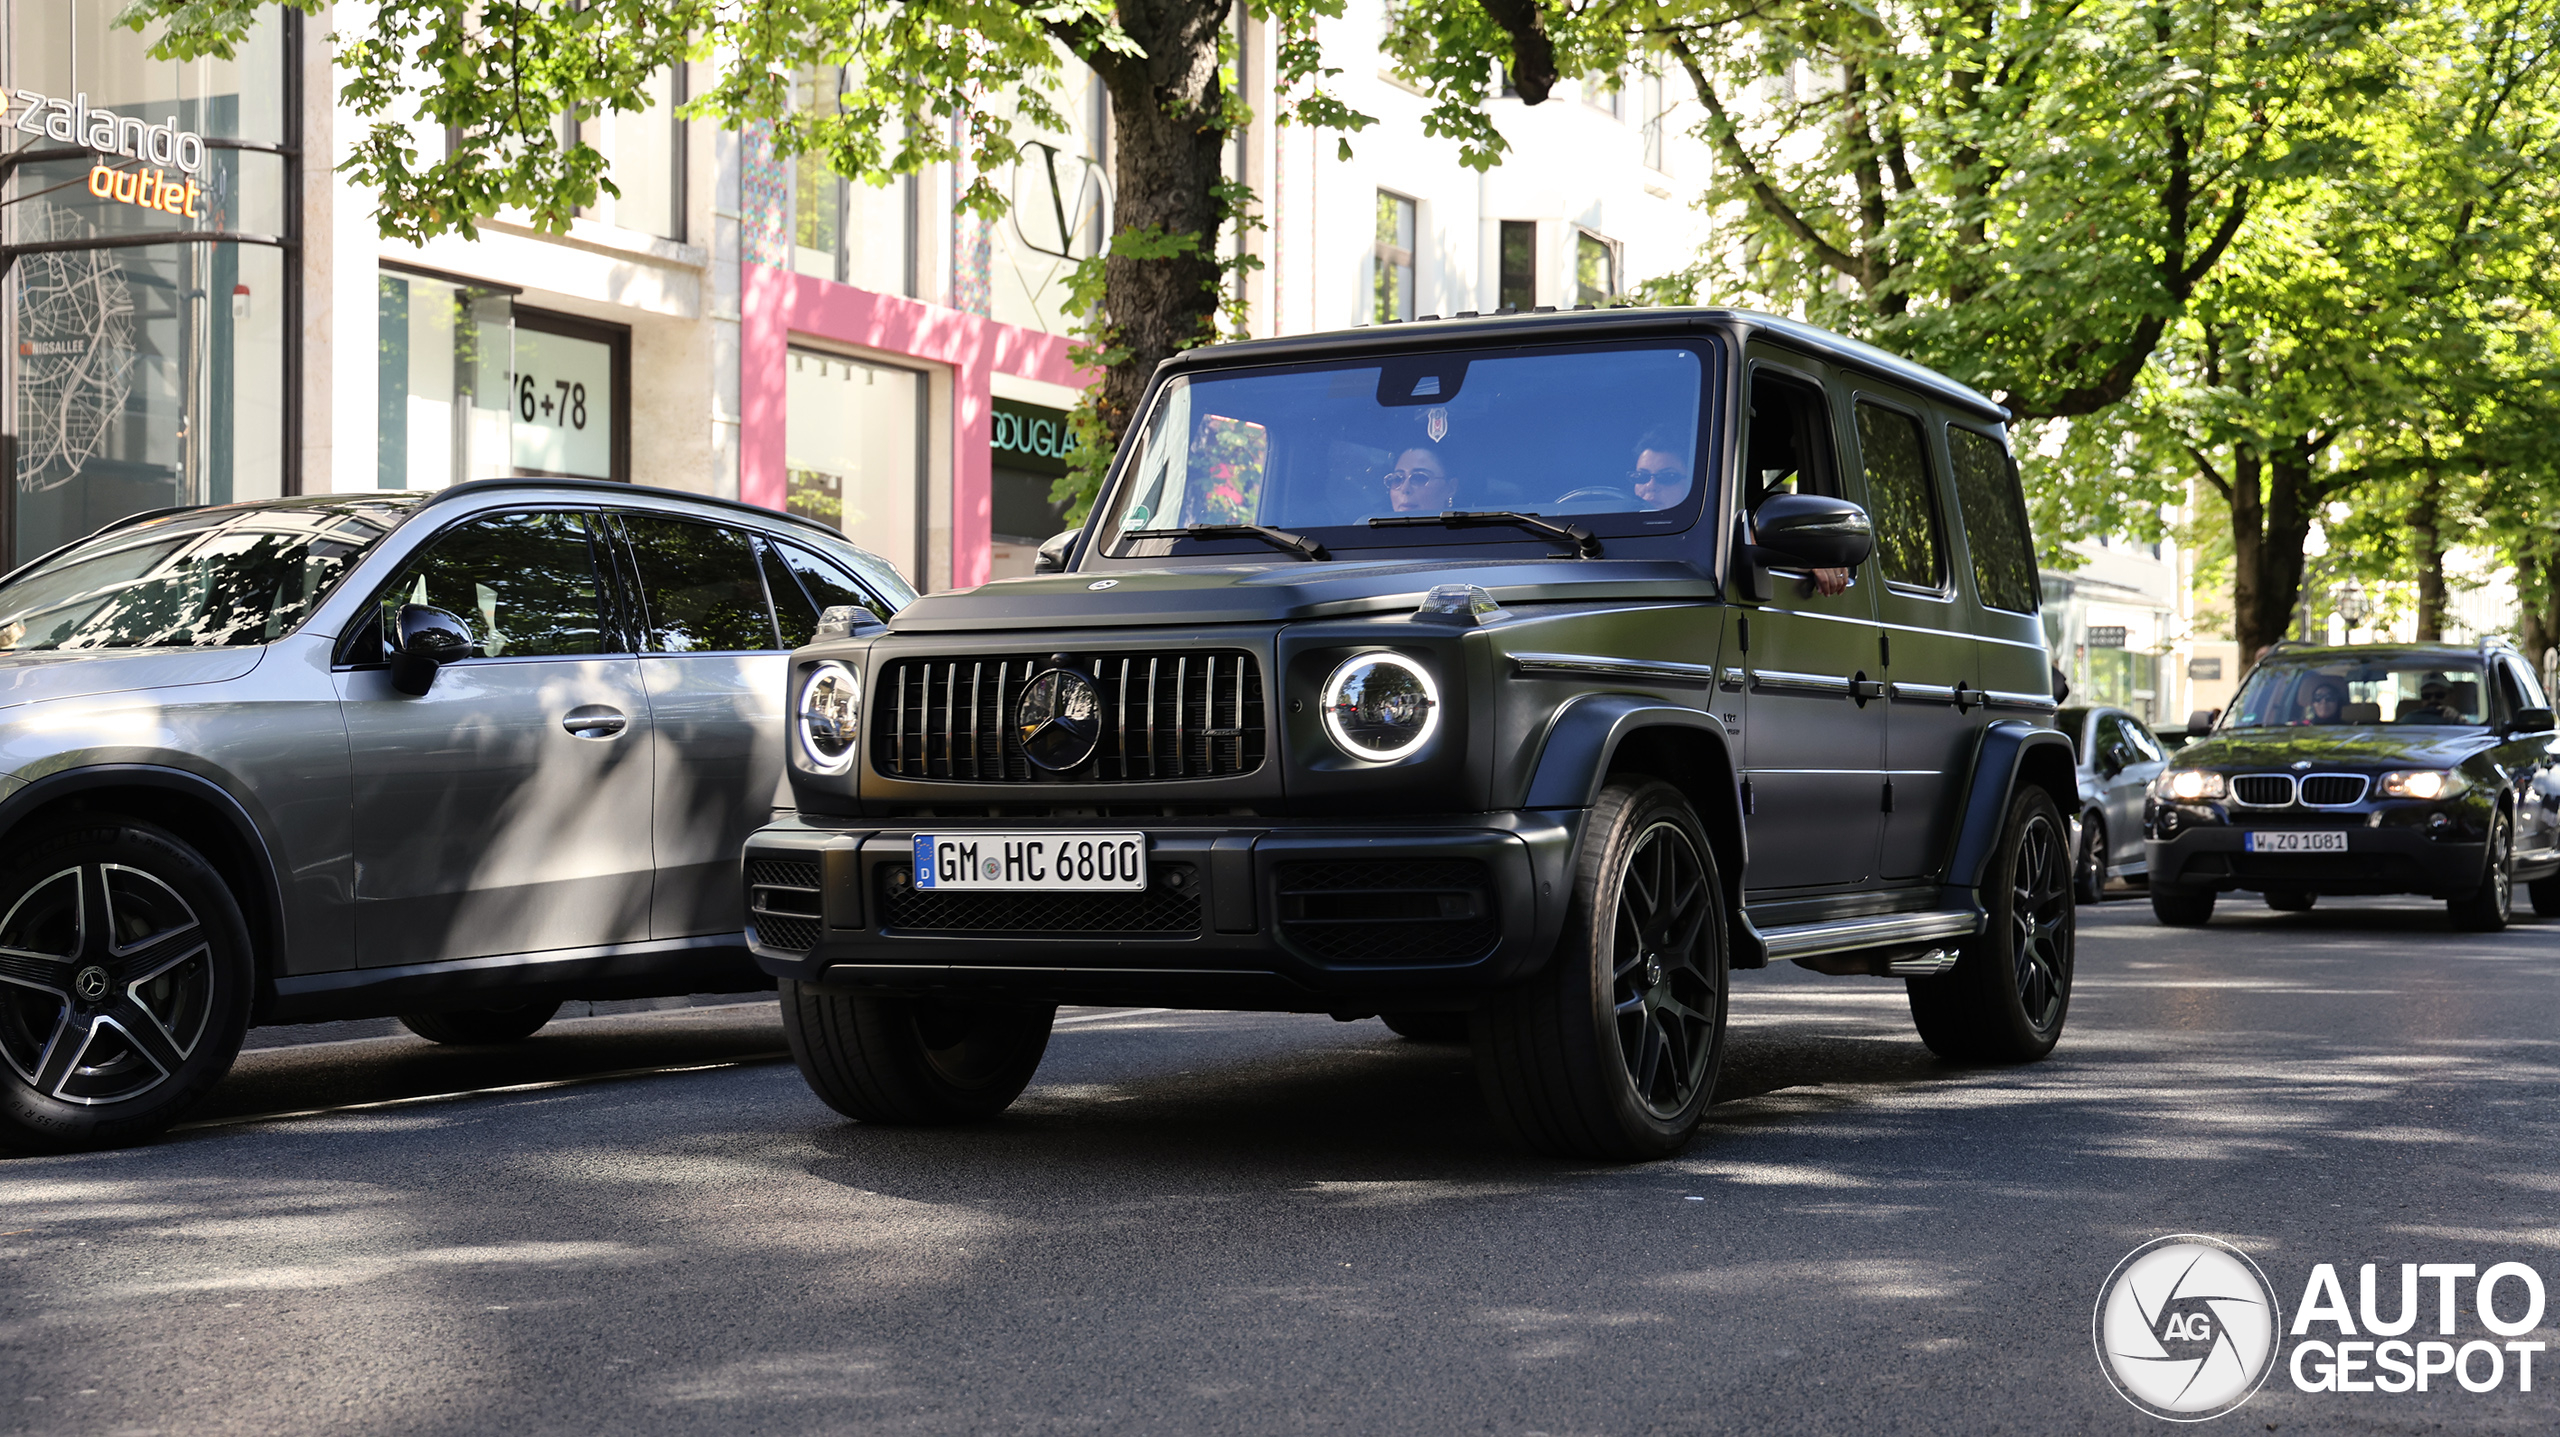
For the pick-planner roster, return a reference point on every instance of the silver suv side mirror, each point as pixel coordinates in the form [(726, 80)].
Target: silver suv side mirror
[(428, 639)]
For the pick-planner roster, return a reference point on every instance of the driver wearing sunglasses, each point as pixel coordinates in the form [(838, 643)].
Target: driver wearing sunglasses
[(1420, 483)]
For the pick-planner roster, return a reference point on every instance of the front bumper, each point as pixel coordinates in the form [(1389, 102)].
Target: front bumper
[(1266, 914), (2377, 860)]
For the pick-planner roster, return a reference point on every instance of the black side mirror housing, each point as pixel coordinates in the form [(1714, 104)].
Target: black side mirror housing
[(2530, 721), (1812, 531), (428, 640), (1053, 552), (2201, 722)]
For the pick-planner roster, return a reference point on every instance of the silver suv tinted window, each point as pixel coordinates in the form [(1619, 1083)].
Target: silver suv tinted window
[(525, 585), (701, 587)]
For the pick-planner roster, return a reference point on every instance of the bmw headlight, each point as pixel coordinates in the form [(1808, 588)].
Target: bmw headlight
[(2421, 783), (1381, 707), (829, 712), (2187, 785)]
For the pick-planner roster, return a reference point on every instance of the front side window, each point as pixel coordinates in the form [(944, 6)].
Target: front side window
[(191, 581), (1995, 522), (701, 585), (805, 586), (524, 584), (2425, 689), (1903, 500), (1375, 452)]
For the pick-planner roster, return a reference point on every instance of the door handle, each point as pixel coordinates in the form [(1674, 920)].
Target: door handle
[(594, 721)]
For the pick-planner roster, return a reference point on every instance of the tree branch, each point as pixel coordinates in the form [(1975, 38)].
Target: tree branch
[(1720, 124)]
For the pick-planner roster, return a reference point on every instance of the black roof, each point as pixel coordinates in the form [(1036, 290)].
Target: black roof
[(1622, 322)]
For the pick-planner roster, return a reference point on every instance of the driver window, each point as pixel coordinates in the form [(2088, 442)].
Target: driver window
[(1789, 449), (524, 584)]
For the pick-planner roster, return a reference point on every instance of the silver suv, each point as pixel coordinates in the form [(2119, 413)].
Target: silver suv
[(455, 757)]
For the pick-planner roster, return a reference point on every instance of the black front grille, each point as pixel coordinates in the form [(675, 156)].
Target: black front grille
[(2263, 790), (1162, 908), (1164, 716), (1417, 910), (785, 907), (2333, 789)]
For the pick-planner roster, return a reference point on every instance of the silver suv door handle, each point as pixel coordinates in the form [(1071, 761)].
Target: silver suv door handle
[(594, 721)]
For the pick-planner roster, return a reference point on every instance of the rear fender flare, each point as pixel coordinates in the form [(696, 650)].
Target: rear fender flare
[(2010, 753)]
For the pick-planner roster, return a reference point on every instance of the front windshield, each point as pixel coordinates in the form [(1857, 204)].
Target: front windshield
[(2385, 689), (205, 579), (1605, 439)]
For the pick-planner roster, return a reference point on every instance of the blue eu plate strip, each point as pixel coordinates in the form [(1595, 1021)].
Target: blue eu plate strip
[(924, 860)]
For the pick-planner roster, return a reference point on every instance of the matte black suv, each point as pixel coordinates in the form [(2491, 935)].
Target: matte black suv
[(1516, 677), (2385, 768)]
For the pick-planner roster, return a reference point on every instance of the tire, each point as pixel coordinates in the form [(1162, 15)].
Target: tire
[(2545, 893), (2007, 996), (2488, 910), (471, 1027), (2089, 873), (1611, 1051), (103, 1042), (2179, 909), (913, 1061), (2290, 900), (1427, 1027)]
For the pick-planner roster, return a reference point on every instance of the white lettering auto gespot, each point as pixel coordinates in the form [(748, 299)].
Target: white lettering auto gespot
[(2366, 1352)]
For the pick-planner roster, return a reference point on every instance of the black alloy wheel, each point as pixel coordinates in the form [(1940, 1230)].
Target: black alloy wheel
[(1612, 1051), (2007, 996), (2487, 910), (478, 1027), (2089, 875), (125, 975), (2181, 908), (913, 1061)]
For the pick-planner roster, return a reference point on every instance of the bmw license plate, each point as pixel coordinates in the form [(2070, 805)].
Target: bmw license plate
[(1033, 862), (2265, 841)]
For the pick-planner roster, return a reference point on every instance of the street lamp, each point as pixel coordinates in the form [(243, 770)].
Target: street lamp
[(2354, 605)]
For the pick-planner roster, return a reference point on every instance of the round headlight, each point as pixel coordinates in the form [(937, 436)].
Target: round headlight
[(830, 711), (1381, 707)]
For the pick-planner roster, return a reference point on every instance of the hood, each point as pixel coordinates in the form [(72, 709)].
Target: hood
[(2352, 746), (1247, 593), (81, 673)]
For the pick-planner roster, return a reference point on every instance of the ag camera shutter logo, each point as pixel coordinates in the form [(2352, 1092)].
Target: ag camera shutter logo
[(2185, 1328)]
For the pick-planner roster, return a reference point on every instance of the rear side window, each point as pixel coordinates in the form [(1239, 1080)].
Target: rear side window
[(804, 586), (1903, 501), (524, 584), (701, 585), (1995, 522)]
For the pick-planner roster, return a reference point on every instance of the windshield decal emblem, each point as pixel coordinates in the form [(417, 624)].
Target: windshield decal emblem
[(1435, 422), (1059, 719), (1104, 584), (2301, 764)]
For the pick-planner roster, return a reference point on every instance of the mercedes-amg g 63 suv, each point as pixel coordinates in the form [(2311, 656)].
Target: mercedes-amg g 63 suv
[(1516, 678)]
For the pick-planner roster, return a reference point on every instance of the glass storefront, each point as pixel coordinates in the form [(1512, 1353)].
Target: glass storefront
[(443, 384), (148, 294), (852, 447), (1029, 444)]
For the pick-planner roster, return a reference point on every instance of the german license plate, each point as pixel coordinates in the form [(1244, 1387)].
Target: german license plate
[(1033, 862), (2263, 841)]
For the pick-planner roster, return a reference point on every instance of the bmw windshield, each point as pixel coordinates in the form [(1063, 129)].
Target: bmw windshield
[(200, 578), (1385, 453), (2430, 689)]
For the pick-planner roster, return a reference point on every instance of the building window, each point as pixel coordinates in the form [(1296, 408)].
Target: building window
[(1595, 269), (445, 349), (644, 154), (1519, 267), (1605, 94), (1655, 102), (146, 371), (853, 450), (857, 234), (1394, 259), (569, 396)]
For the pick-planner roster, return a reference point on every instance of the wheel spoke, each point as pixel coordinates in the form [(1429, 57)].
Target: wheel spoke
[(162, 953), (1630, 1007), (146, 1033), (49, 975), (1648, 1061), (69, 1039)]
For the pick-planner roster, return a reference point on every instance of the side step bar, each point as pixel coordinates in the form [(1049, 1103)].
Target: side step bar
[(1880, 930)]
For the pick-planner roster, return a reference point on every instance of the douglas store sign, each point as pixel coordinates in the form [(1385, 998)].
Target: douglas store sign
[(164, 146)]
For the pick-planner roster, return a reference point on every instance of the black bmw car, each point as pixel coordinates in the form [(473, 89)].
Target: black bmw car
[(2404, 768)]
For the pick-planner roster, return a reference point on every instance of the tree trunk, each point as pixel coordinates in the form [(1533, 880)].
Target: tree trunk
[(1168, 134), (2268, 528), (2538, 608), (2426, 553)]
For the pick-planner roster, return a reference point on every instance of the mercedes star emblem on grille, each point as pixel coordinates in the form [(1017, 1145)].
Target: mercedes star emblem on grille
[(1059, 718)]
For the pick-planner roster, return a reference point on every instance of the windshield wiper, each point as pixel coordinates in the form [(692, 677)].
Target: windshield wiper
[(1585, 544), (1280, 539)]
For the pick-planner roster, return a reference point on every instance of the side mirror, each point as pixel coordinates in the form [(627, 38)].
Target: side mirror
[(843, 621), (1053, 552), (2111, 761), (428, 640), (2201, 722), (2530, 721), (1813, 531)]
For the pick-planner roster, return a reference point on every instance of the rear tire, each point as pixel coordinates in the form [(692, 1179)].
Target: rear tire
[(2545, 893), (2176, 909), (2089, 874), (2488, 910), (2289, 900), (1611, 1051), (913, 1061), (481, 1027), (1427, 1027), (126, 989), (2007, 996)]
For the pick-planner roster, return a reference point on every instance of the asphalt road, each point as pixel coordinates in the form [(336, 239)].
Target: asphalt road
[(1208, 1222)]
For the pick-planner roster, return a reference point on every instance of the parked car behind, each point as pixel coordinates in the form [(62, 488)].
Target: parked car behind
[(454, 756), (2118, 758)]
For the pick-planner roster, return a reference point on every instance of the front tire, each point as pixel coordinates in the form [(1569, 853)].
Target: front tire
[(1611, 1051), (2089, 874), (2290, 900), (472, 1027), (125, 984), (2545, 893), (2488, 910), (2175, 909), (2007, 996), (913, 1061)]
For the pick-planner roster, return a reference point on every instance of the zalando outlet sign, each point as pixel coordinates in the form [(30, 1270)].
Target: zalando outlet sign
[(166, 147)]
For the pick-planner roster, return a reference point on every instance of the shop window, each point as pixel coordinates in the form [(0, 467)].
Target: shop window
[(444, 350), (569, 397), (1029, 444), (1595, 269), (853, 451), (1519, 267), (1394, 252)]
